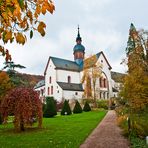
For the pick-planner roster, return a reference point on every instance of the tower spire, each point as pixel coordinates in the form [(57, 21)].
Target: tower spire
[(78, 39)]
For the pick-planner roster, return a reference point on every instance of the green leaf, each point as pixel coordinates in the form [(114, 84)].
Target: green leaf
[(3, 36), (21, 3), (31, 34), (11, 8)]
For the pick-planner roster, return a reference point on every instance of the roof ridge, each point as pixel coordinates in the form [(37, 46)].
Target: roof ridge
[(63, 59), (68, 83)]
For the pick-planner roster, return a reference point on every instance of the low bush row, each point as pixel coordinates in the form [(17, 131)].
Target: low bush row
[(50, 108)]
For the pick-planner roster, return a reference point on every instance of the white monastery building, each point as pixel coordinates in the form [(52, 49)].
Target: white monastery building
[(63, 77)]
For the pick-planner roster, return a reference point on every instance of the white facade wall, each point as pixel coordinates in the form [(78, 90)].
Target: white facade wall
[(57, 91), (58, 75), (105, 69), (72, 94), (62, 76)]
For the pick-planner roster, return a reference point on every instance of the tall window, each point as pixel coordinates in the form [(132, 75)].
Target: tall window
[(104, 95), (69, 79), (48, 91), (101, 82), (104, 83), (50, 79), (51, 90)]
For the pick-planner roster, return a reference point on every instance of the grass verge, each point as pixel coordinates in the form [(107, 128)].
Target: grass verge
[(58, 132)]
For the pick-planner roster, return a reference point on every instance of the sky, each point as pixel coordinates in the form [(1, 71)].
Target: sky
[(104, 26)]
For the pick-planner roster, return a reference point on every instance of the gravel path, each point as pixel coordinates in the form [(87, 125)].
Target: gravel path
[(106, 135)]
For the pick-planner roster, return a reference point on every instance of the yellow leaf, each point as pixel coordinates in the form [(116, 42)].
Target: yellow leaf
[(20, 38), (44, 9), (8, 35)]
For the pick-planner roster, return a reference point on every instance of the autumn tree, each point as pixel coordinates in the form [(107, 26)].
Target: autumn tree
[(5, 84), (20, 16), (86, 80), (25, 104), (92, 73), (136, 82), (135, 90)]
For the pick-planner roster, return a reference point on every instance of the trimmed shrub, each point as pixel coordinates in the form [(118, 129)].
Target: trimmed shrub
[(50, 108), (66, 108), (77, 108), (86, 107)]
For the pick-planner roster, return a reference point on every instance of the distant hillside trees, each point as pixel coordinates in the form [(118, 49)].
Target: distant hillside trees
[(5, 84)]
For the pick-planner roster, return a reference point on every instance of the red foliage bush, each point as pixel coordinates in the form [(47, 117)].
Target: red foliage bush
[(25, 104)]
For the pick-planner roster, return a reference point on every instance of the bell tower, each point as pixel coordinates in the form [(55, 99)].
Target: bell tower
[(79, 50)]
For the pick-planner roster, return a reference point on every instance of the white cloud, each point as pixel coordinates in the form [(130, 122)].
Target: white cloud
[(104, 25)]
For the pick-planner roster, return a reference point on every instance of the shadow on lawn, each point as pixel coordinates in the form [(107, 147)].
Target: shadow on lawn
[(7, 130)]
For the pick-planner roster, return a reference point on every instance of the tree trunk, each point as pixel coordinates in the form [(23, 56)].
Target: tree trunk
[(22, 125), (95, 101)]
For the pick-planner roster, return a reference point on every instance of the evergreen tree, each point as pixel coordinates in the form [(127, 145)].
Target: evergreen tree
[(135, 90), (50, 108), (77, 108), (86, 107), (66, 108), (136, 82)]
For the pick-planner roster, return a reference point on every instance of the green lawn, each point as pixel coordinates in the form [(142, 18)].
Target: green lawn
[(61, 132)]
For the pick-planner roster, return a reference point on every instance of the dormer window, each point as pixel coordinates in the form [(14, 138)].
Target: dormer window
[(69, 79)]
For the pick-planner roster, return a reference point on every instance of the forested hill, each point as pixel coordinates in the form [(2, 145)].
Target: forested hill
[(118, 77), (22, 79)]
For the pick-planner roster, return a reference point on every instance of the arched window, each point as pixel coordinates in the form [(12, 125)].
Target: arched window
[(104, 83), (50, 79), (69, 79), (101, 82), (48, 91), (51, 90)]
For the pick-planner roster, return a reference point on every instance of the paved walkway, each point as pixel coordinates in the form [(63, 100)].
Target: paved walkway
[(106, 135)]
